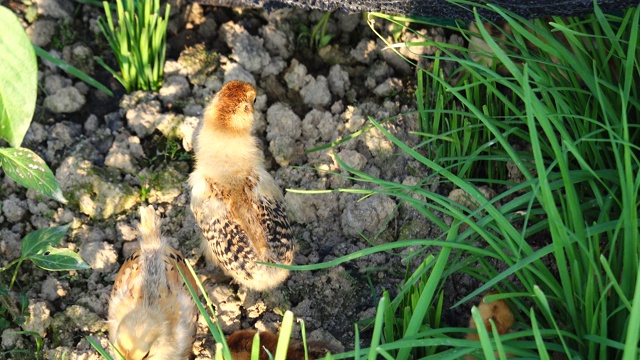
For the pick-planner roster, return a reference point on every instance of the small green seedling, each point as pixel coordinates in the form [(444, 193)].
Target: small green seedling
[(138, 42)]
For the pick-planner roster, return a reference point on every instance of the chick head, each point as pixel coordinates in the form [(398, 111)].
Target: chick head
[(232, 107)]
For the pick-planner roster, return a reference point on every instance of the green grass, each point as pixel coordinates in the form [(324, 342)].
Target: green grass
[(138, 41), (566, 115)]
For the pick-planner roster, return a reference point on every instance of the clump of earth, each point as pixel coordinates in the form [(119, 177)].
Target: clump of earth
[(114, 154)]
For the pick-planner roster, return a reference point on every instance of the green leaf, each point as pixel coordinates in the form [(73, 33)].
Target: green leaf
[(38, 247), (18, 79), (72, 70), (39, 239), (53, 259), (29, 170)]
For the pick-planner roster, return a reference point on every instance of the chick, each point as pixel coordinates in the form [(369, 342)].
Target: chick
[(498, 311), (241, 342), (151, 313), (235, 201)]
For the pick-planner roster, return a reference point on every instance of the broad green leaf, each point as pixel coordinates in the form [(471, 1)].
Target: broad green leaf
[(38, 247), (53, 259), (40, 239), (29, 170), (18, 79)]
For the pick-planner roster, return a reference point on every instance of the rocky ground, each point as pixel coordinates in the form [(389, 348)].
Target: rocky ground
[(112, 154)]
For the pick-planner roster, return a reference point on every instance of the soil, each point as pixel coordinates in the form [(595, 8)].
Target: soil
[(113, 154)]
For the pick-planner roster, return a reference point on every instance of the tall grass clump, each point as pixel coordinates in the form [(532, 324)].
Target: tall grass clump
[(138, 41), (558, 104)]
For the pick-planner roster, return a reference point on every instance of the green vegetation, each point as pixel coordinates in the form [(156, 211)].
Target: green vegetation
[(138, 41), (18, 90), (317, 37), (566, 115)]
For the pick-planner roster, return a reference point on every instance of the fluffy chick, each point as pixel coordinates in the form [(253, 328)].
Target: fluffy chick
[(151, 313), (235, 201), (241, 342), (499, 312)]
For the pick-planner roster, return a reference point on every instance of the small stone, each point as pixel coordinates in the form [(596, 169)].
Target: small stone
[(100, 255), (319, 126), (393, 59), (388, 87), (54, 83), (379, 145), (143, 118), (126, 232), (41, 31), (295, 75), (316, 91), (52, 289), (36, 134), (11, 339), (369, 216), (283, 128), (10, 246), (248, 50), (198, 63), (365, 51), (235, 71), (279, 40), (39, 317), (228, 309), (124, 152), (275, 67), (58, 9), (353, 159), (91, 124), (14, 209), (129, 248), (338, 80), (84, 319), (347, 22), (299, 209), (80, 56), (175, 87), (65, 100)]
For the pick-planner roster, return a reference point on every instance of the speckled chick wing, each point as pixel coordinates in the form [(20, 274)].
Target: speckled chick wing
[(151, 313), (235, 201)]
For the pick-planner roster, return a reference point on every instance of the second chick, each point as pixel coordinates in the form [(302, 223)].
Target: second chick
[(235, 200), (151, 312)]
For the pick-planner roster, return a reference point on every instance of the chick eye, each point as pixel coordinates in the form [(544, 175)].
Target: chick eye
[(146, 356)]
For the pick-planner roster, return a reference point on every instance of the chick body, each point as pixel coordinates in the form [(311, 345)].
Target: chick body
[(499, 312), (235, 201), (151, 313)]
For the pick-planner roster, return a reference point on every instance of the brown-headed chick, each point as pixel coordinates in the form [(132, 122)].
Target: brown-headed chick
[(151, 313), (241, 342), (498, 311), (235, 201)]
